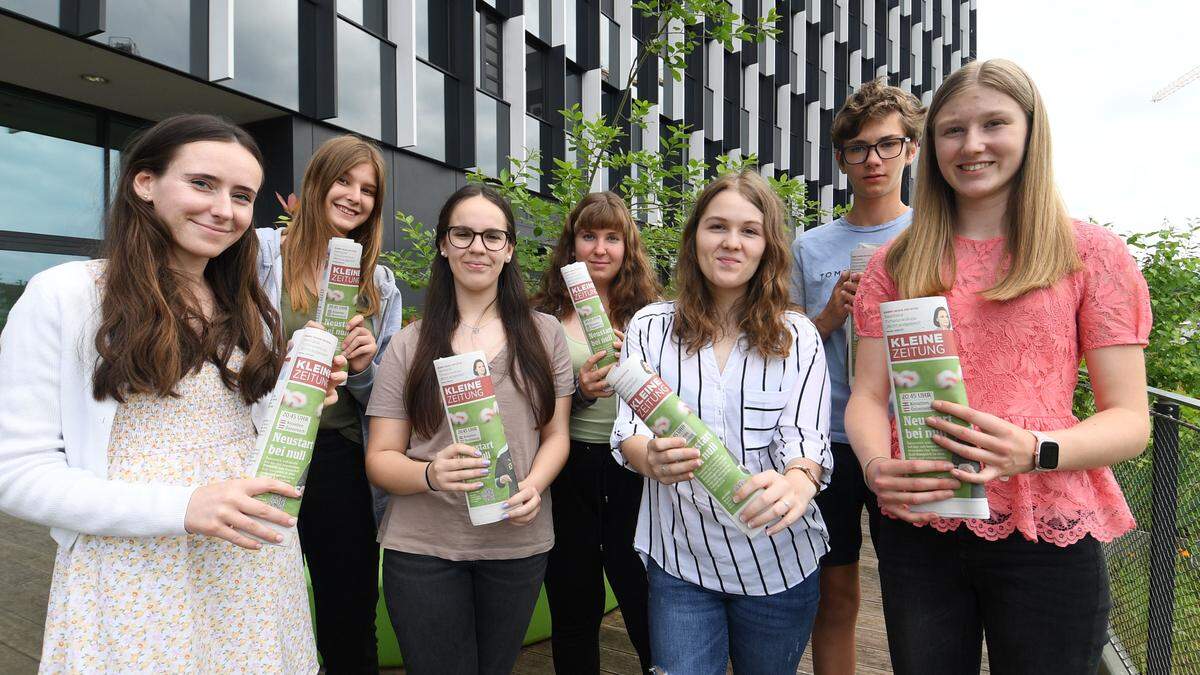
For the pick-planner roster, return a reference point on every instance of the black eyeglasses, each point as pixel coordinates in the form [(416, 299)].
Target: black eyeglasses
[(463, 237), (888, 148)]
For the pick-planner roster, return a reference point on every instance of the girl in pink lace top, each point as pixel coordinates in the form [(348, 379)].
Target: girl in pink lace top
[(1030, 293)]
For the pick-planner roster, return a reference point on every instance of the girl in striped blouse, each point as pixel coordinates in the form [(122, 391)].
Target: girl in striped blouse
[(755, 373)]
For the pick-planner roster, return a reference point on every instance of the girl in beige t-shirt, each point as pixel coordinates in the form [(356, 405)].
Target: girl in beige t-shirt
[(460, 597)]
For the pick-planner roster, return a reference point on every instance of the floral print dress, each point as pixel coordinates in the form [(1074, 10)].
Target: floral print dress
[(179, 604)]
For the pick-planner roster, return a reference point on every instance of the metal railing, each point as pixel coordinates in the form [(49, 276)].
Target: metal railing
[(1154, 570)]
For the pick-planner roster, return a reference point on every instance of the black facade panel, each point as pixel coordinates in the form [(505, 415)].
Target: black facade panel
[(587, 24), (318, 58), (970, 49), (556, 95), (855, 39), (198, 47), (905, 47), (927, 57), (841, 73)]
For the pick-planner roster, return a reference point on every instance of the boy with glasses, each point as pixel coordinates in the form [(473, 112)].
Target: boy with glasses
[(875, 136)]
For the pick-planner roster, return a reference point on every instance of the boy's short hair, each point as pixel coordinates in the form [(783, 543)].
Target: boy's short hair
[(873, 100)]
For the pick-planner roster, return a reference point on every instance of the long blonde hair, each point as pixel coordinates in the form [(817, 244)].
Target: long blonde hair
[(1040, 242), (760, 312), (308, 235)]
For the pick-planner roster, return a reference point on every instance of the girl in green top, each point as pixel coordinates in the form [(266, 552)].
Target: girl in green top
[(595, 501), (342, 195)]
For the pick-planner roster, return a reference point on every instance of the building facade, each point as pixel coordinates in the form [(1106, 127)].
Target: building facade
[(444, 86)]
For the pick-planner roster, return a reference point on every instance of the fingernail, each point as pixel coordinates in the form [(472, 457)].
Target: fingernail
[(478, 453), (504, 517), (487, 462), (291, 522), (278, 538), (483, 472)]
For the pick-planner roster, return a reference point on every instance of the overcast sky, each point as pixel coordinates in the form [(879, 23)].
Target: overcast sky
[(1118, 157)]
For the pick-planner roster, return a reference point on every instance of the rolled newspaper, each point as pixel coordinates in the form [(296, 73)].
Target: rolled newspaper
[(465, 381), (337, 298), (289, 425), (859, 257), (669, 417), (923, 365), (590, 310)]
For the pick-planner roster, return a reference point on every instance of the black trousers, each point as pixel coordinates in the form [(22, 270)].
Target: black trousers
[(1043, 608), (460, 617), (596, 506), (337, 535)]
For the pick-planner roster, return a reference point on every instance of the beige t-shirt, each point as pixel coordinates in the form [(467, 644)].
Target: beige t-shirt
[(436, 523)]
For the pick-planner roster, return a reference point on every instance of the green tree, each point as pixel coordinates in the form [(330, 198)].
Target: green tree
[(1170, 260), (660, 185)]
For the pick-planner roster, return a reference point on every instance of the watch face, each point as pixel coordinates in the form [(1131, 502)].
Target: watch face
[(1048, 455)]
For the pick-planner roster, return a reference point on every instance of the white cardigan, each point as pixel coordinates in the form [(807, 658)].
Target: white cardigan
[(53, 434)]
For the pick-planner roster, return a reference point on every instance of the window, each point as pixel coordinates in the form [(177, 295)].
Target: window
[(491, 54), (155, 29), (266, 51), (535, 129), (537, 99), (45, 11), (431, 112), (610, 51), (359, 74), (433, 32), (55, 160), (572, 29), (367, 13), (16, 268), (537, 18), (491, 134), (572, 96), (52, 169)]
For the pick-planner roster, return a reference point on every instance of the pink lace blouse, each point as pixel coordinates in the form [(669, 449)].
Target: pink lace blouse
[(1019, 362)]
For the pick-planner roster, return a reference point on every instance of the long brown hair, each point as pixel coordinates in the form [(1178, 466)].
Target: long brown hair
[(308, 235), (526, 353), (152, 332), (634, 286), (760, 311), (1040, 242)]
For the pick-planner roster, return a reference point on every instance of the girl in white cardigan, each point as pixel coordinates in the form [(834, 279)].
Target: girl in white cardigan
[(126, 425)]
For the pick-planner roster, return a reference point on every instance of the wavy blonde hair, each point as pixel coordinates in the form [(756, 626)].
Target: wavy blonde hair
[(760, 311), (1040, 242), (634, 286), (308, 236)]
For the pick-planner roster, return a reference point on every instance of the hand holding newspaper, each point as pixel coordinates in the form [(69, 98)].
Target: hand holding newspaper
[(669, 417), (337, 298), (590, 310), (923, 366), (465, 381), (289, 425), (859, 257)]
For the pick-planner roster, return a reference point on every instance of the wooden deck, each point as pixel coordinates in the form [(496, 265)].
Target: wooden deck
[(27, 560)]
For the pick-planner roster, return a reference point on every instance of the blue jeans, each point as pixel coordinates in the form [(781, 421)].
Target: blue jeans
[(695, 631)]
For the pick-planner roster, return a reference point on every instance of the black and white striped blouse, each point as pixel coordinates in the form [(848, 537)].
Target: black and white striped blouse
[(767, 412)]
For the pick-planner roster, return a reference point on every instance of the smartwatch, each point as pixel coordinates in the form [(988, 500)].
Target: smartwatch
[(1045, 452)]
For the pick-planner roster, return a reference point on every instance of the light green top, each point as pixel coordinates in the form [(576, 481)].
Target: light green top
[(342, 415), (594, 423)]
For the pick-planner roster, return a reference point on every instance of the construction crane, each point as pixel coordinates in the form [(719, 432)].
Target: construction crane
[(1181, 82)]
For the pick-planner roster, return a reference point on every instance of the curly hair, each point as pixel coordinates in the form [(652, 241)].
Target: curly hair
[(760, 311), (634, 286), (873, 100)]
